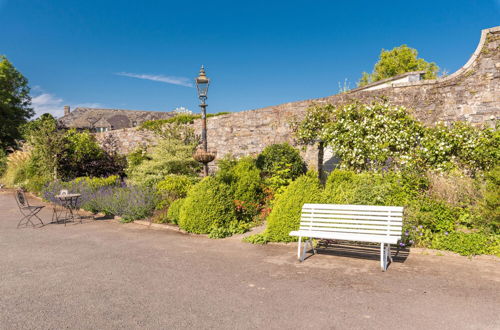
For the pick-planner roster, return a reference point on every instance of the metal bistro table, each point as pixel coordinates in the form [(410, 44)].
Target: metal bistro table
[(68, 204)]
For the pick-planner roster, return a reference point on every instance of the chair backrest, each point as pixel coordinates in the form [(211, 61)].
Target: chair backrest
[(63, 192), (352, 219), (21, 200)]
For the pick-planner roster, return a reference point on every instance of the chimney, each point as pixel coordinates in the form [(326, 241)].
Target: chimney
[(66, 110)]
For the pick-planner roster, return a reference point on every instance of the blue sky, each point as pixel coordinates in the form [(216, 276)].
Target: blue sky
[(145, 54)]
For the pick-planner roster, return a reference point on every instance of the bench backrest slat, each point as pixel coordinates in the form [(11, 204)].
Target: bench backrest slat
[(355, 219)]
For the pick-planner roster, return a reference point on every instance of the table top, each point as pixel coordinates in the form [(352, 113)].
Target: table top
[(67, 196)]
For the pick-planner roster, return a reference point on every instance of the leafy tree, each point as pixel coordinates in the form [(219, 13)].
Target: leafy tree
[(399, 60), (310, 129), (48, 144), (15, 103), (170, 156)]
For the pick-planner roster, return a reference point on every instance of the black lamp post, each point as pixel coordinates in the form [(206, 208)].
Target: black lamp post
[(203, 155)]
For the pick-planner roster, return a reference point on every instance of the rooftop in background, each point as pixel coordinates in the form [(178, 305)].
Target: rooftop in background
[(393, 81), (100, 120)]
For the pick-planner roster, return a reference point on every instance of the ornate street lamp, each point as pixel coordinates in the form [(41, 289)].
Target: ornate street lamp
[(203, 155)]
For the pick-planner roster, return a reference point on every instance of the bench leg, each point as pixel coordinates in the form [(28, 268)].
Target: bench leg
[(310, 241), (383, 257), (298, 250), (302, 255)]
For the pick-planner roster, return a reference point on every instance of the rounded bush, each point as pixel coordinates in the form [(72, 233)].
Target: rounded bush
[(174, 210), (208, 205), (248, 185), (175, 186), (277, 157), (285, 216)]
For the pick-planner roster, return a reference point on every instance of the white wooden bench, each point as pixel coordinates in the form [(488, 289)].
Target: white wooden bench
[(360, 223)]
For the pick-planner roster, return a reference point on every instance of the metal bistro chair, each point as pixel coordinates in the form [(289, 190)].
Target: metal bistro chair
[(28, 211)]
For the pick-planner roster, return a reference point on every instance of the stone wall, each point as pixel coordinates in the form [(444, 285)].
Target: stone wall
[(470, 94)]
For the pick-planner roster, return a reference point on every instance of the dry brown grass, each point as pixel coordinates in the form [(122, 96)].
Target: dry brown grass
[(16, 163), (454, 188)]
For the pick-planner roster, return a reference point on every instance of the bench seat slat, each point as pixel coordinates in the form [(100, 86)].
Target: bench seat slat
[(347, 236), (352, 212), (352, 207), (362, 222), (345, 225), (360, 217), (357, 231)]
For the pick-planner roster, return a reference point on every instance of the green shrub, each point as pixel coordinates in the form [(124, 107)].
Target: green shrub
[(245, 183), (467, 244), (130, 203), (489, 206), (96, 183), (175, 186), (433, 215), (184, 119), (277, 157), (170, 156), (460, 145), (261, 238), (208, 205), (136, 157), (372, 136), (368, 188), (174, 211), (285, 215), (3, 161)]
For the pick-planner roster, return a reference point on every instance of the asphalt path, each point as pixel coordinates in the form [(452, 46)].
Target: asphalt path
[(107, 275)]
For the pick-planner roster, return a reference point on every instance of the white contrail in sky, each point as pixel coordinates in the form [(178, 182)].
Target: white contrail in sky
[(181, 81)]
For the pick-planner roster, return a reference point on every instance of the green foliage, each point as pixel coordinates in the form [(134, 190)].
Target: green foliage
[(285, 215), (261, 238), (461, 146), (3, 162), (183, 119), (83, 156), (489, 206), (96, 183), (16, 173), (136, 157), (467, 244), (397, 61), (129, 203), (48, 147), (170, 156), (59, 154), (433, 215), (90, 189), (280, 164), (310, 129), (248, 193), (15, 103), (207, 207), (380, 136), (281, 156), (175, 186), (372, 137), (246, 185), (348, 187), (174, 211)]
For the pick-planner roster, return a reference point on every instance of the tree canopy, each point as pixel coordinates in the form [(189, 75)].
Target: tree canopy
[(15, 103), (399, 60)]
